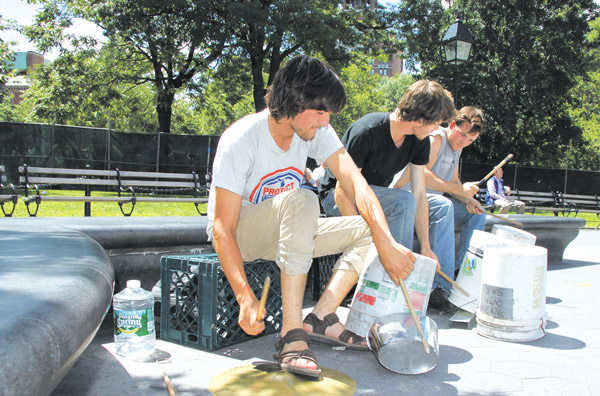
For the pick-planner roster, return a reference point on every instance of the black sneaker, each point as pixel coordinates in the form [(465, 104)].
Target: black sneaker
[(439, 300)]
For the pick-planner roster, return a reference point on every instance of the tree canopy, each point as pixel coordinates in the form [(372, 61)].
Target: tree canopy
[(526, 57), (164, 43), (584, 108), (168, 44), (6, 57)]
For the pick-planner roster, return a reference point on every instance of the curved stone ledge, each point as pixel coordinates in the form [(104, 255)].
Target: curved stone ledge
[(56, 286), (552, 232)]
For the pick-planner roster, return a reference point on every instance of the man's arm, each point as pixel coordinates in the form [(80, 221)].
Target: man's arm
[(417, 180), (344, 202), (396, 259), (227, 212), (403, 179)]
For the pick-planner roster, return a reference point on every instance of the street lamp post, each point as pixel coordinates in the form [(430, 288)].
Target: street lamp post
[(457, 43)]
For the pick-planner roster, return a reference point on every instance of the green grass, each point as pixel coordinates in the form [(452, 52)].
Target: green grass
[(76, 209), (148, 209), (591, 220)]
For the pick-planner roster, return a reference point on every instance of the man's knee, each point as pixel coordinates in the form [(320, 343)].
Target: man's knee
[(440, 208), (302, 201), (405, 200)]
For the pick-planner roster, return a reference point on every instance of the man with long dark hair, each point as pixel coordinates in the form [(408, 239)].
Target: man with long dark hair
[(257, 210)]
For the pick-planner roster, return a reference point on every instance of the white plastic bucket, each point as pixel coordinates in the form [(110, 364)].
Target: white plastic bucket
[(469, 276), (515, 234), (513, 293), (377, 295)]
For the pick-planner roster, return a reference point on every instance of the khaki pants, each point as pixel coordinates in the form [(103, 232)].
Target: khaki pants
[(504, 206), (287, 229)]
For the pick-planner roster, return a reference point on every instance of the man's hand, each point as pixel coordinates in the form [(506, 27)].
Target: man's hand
[(470, 189), (474, 206), (427, 252), (249, 306), (397, 260)]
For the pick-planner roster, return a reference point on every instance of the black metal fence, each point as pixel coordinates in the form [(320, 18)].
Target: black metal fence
[(78, 147), (529, 178), (63, 146)]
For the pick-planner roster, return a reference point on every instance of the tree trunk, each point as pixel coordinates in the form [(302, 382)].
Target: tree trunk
[(164, 103), (259, 90)]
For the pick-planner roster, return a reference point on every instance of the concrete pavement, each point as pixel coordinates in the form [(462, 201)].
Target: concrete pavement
[(566, 361)]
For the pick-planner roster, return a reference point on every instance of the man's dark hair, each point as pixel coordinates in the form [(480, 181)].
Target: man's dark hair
[(427, 101), (304, 83), (473, 117)]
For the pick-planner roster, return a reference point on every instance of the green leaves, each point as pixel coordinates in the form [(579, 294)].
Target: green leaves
[(525, 59)]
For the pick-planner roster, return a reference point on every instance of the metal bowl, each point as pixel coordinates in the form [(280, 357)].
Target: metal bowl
[(396, 343)]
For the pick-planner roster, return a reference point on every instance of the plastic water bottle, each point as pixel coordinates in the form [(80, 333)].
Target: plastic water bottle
[(134, 321)]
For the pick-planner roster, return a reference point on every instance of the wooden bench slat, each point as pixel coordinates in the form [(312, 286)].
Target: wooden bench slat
[(77, 199), (175, 199), (106, 173), (150, 175), (66, 171), (150, 183), (106, 182), (64, 180)]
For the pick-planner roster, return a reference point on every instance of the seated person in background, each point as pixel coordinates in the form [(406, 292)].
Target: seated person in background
[(497, 194), (382, 144), (441, 177)]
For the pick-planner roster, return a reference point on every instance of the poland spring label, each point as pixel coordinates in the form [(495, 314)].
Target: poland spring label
[(140, 323)]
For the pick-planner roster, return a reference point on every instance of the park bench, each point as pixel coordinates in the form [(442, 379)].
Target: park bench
[(128, 185), (534, 200), (550, 201), (8, 194), (582, 203)]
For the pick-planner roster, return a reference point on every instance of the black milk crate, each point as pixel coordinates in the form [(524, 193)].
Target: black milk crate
[(199, 308), (322, 270)]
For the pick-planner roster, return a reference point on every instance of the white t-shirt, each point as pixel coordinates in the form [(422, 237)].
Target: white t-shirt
[(249, 163)]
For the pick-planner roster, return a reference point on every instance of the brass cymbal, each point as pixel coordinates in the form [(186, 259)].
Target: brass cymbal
[(267, 379)]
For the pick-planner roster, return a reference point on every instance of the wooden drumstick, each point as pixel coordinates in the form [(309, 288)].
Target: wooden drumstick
[(503, 218), (500, 165), (414, 315), (263, 298), (463, 291)]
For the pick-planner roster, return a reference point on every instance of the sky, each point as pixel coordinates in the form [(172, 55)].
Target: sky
[(24, 14)]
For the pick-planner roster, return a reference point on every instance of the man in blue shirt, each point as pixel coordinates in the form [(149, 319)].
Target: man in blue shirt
[(497, 194)]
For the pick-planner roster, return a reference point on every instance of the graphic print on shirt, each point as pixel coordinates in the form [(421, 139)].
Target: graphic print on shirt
[(277, 182), (446, 161)]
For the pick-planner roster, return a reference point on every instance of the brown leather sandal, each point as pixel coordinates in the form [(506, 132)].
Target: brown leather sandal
[(292, 336), (347, 338)]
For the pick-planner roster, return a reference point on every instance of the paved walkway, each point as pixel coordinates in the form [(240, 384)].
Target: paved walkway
[(564, 362)]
